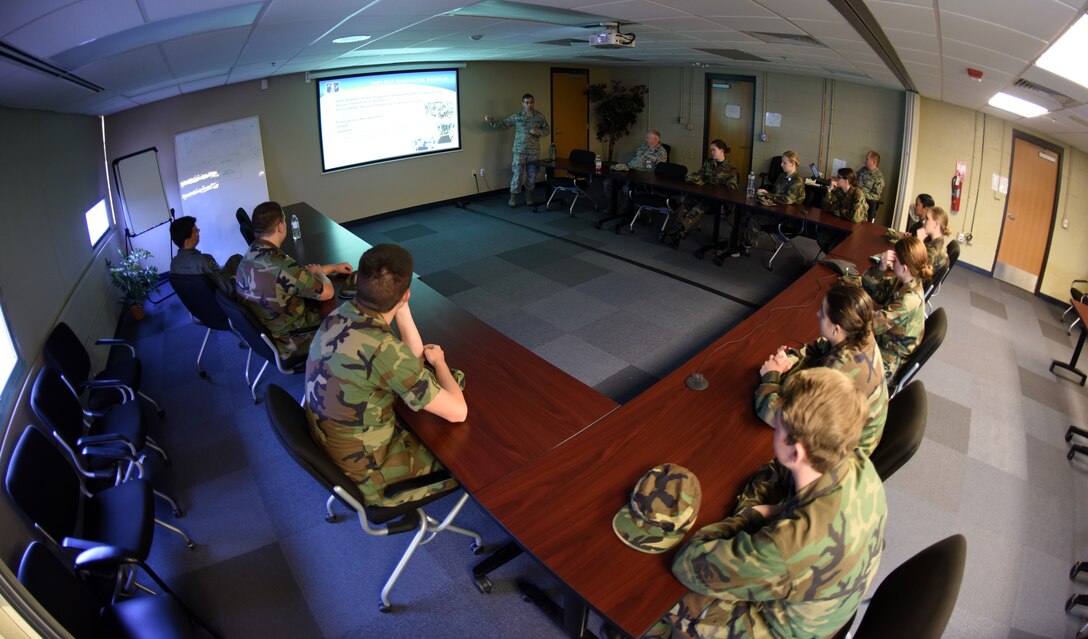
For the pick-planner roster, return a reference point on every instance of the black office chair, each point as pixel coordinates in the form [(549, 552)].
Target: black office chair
[(293, 431), (245, 225), (259, 340), (576, 184), (659, 199), (119, 382), (874, 206), (197, 294), (904, 430), (1075, 293), (934, 289), (84, 612), (770, 176), (114, 442), (916, 599), (933, 335), (668, 150)]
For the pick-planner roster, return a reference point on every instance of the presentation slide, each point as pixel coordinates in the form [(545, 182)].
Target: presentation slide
[(384, 116)]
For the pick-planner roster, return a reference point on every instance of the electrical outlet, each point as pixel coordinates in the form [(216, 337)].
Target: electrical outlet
[(961, 238), (482, 171), (1065, 223)]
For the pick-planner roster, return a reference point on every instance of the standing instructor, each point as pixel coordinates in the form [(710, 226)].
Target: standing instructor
[(530, 126)]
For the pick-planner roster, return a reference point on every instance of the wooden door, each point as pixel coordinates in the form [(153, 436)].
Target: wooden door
[(570, 110), (1029, 213), (730, 108)]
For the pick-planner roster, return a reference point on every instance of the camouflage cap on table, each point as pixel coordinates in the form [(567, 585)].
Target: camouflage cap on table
[(662, 508)]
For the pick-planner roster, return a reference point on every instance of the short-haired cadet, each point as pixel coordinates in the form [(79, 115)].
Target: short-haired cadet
[(281, 292), (186, 235), (900, 318), (870, 178), (357, 369), (846, 344), (804, 540)]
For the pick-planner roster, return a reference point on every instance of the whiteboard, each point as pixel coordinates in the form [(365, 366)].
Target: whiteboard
[(221, 168), (143, 199)]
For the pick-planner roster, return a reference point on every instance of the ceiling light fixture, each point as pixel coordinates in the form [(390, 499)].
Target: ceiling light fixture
[(350, 39), (1066, 56), (1016, 105)]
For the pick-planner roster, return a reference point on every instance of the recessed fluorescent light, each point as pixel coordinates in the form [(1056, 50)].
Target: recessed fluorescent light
[(1016, 105), (1066, 56), (350, 39)]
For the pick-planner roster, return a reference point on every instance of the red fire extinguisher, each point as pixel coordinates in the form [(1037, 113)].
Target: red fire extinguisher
[(957, 185)]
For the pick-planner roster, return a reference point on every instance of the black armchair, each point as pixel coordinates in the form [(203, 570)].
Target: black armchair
[(259, 340), (657, 199), (245, 225), (932, 338), (197, 294), (577, 184), (903, 431), (1075, 293), (293, 431), (774, 169), (118, 383)]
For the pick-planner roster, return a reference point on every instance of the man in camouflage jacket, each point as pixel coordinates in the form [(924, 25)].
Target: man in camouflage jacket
[(357, 369), (529, 126), (870, 179), (804, 541)]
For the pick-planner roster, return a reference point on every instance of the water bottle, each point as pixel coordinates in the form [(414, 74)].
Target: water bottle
[(296, 230), (751, 193), (597, 163), (551, 151)]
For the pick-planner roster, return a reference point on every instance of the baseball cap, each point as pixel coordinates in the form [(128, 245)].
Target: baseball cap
[(662, 508)]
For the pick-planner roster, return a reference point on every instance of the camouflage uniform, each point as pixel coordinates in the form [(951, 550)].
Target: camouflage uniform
[(526, 146), (899, 324), (871, 183), (190, 261), (273, 285), (653, 155), (938, 253), (801, 574), (863, 365), (356, 370), (788, 189), (712, 172), (849, 206)]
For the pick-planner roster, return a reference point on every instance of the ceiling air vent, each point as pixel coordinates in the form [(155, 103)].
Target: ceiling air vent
[(733, 54), (786, 38), (1060, 98)]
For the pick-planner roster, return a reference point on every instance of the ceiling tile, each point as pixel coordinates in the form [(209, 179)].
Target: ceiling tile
[(1042, 19), (155, 96), (197, 54), (993, 59), (717, 8), (1057, 83), (163, 9), (633, 10), (16, 14), (802, 9), (75, 24), (904, 17), (132, 71), (981, 33), (207, 83)]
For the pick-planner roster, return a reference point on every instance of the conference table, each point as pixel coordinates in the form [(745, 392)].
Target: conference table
[(1082, 313), (552, 459)]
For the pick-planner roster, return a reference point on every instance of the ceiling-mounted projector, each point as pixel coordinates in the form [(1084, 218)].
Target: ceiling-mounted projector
[(611, 38)]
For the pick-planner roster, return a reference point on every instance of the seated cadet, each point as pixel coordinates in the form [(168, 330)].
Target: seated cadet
[(899, 322), (277, 289), (804, 541), (788, 188), (870, 179), (716, 170), (933, 232), (847, 344), (357, 369), (647, 156), (186, 234), (922, 203), (844, 200)]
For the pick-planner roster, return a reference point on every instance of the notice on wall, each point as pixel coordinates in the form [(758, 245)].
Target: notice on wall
[(732, 111), (837, 164), (773, 119)]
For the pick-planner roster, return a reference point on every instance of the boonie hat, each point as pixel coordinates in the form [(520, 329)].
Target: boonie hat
[(662, 508)]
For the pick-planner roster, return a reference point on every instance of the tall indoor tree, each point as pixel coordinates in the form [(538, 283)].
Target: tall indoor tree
[(617, 110)]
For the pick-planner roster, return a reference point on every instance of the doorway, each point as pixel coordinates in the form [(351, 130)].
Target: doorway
[(570, 110), (1029, 212), (730, 108)]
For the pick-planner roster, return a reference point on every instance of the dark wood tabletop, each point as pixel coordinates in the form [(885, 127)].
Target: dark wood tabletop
[(519, 405), (560, 507)]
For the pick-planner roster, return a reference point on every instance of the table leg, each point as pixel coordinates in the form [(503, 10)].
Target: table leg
[(701, 251), (1072, 365), (572, 615), (613, 212)]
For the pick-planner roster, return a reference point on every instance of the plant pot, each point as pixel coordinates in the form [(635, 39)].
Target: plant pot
[(137, 311)]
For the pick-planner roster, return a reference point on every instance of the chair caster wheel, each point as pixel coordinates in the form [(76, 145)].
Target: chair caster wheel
[(332, 519), (1072, 452), (526, 598), (383, 608), (1070, 603), (192, 545), (179, 513), (1069, 435), (204, 374), (161, 413), (1074, 570), (477, 549), (483, 584)]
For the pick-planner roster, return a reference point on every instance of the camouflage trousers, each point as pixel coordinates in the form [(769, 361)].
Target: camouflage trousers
[(521, 164), (688, 218), (698, 616)]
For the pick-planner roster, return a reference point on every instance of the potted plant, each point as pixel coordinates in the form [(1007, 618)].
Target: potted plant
[(617, 110), (133, 279)]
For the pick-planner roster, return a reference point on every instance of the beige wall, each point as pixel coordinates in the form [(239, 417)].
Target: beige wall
[(51, 171), (949, 134)]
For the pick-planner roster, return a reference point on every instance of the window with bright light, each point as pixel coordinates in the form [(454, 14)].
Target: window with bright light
[(9, 359), (98, 221)]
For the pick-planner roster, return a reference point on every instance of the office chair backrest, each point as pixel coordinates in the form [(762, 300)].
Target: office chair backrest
[(953, 250), (197, 293), (774, 169), (292, 428), (916, 599), (65, 354), (57, 408), (582, 156), (668, 151), (70, 600), (932, 337), (904, 430), (671, 171), (43, 485), (245, 225), (248, 327)]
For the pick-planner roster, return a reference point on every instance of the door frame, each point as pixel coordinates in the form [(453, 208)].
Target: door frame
[(708, 81), (1027, 137), (551, 92)]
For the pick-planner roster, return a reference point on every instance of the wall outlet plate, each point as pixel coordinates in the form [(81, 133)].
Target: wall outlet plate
[(961, 238), (1065, 223)]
